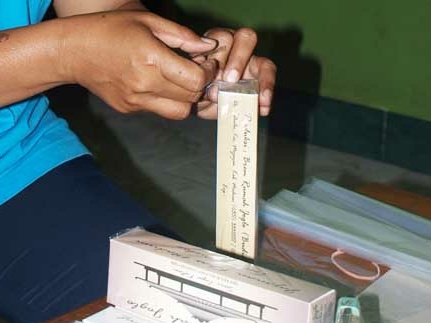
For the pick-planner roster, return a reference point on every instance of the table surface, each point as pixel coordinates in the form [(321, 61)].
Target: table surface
[(82, 312), (406, 200)]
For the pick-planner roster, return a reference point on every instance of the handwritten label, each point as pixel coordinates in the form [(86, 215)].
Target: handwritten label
[(123, 315), (157, 306), (151, 303), (159, 312), (236, 173)]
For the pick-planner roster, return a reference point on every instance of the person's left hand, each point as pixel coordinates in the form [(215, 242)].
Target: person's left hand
[(236, 62)]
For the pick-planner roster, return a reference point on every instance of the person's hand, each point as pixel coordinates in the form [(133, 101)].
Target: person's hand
[(236, 61), (125, 58)]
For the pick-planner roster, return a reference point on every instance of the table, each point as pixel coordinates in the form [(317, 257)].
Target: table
[(82, 312), (406, 200)]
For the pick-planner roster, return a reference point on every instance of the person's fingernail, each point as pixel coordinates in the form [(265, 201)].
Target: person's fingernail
[(209, 41), (264, 111), (267, 94), (232, 76)]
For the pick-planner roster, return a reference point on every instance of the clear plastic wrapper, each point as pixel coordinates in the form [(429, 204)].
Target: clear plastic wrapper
[(312, 261), (352, 233), (397, 298), (236, 228), (350, 201), (302, 233), (187, 283)]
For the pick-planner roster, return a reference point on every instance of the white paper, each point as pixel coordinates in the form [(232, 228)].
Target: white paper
[(113, 315), (353, 233), (149, 302)]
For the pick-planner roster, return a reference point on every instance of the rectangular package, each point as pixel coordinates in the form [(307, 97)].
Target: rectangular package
[(145, 267), (236, 208)]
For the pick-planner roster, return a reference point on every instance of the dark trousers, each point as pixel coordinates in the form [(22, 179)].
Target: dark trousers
[(54, 241)]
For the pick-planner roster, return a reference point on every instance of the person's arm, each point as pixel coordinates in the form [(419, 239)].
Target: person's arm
[(65, 8), (236, 59), (29, 56), (29, 61), (117, 55)]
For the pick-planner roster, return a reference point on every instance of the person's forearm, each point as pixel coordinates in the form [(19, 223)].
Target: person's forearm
[(67, 8), (132, 5), (29, 61)]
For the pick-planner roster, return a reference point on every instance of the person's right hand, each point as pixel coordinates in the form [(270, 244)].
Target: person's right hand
[(124, 58)]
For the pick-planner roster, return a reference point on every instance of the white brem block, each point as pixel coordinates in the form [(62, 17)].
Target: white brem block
[(237, 128)]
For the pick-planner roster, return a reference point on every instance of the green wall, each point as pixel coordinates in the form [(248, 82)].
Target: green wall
[(375, 53)]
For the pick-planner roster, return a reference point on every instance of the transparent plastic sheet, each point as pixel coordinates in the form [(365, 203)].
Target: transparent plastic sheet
[(347, 200), (242, 86), (396, 298), (354, 234), (391, 237), (312, 261), (401, 294), (123, 231)]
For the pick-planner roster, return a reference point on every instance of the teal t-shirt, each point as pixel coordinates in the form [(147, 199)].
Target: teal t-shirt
[(33, 140)]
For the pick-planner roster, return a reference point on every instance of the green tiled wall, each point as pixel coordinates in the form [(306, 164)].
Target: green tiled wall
[(368, 132)]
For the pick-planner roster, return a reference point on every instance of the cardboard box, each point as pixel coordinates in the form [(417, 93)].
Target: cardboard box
[(153, 274), (236, 197)]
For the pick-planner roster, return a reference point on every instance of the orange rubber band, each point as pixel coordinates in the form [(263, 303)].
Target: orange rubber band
[(339, 252)]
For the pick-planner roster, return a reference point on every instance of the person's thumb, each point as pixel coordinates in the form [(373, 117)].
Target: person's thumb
[(177, 36)]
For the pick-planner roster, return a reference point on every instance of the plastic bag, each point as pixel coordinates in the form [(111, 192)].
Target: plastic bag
[(352, 233), (317, 262), (347, 200)]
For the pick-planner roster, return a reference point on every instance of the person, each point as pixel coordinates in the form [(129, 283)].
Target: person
[(57, 209)]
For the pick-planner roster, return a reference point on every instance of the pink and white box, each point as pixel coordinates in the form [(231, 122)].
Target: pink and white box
[(146, 269)]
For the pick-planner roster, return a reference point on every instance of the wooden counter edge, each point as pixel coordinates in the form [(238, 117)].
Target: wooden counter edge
[(81, 312)]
